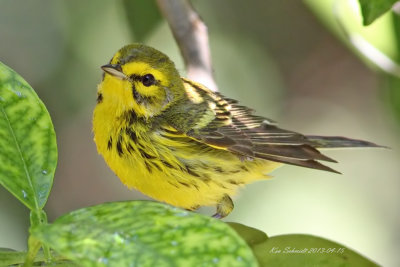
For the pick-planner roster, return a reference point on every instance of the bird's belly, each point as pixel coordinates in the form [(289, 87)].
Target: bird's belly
[(183, 173), (181, 178)]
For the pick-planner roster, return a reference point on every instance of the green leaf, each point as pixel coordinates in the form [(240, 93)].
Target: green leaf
[(144, 233), (143, 17), (251, 235), (9, 257), (298, 250), (372, 9), (306, 250), (28, 150)]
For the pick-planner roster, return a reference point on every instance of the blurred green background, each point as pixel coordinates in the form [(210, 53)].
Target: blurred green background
[(275, 56)]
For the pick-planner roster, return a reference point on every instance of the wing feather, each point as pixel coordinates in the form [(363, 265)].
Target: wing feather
[(233, 127)]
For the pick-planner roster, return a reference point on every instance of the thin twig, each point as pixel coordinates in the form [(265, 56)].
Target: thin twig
[(191, 35)]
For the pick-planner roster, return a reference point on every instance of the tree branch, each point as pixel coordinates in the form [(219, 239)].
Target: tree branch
[(191, 34)]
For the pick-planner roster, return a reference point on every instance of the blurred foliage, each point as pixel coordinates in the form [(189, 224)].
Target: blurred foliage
[(392, 88), (344, 18), (392, 83), (378, 45), (144, 13), (372, 9)]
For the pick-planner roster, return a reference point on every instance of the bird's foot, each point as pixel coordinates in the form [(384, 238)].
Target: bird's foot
[(224, 207)]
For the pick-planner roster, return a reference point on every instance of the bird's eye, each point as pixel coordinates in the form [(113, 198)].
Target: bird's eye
[(148, 80)]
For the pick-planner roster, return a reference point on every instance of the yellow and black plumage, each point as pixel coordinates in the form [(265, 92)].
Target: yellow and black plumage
[(178, 142)]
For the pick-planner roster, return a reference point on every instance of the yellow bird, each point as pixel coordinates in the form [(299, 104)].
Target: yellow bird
[(178, 142)]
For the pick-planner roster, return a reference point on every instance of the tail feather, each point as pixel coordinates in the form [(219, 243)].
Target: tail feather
[(338, 142), (309, 163)]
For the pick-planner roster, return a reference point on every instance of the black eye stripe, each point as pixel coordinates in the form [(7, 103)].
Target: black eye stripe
[(135, 77)]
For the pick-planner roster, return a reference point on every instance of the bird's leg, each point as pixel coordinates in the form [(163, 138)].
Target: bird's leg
[(224, 207)]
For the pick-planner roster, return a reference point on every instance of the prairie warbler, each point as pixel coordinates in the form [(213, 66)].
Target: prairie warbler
[(178, 142)]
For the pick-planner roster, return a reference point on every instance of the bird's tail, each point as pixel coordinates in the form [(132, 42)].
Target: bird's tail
[(338, 142)]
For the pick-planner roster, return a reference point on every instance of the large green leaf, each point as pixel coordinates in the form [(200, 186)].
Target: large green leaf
[(372, 9), (306, 250), (298, 250), (28, 150), (144, 233)]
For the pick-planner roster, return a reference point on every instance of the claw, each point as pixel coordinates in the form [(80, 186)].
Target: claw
[(217, 216)]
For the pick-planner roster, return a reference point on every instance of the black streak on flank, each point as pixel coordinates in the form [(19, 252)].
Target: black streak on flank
[(132, 135), (191, 172), (148, 166), (184, 184), (130, 148), (146, 155), (109, 144), (231, 181), (205, 178), (157, 166), (167, 164), (218, 169), (131, 117), (99, 98), (119, 146), (173, 184)]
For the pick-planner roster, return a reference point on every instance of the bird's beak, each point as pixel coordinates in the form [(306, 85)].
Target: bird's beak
[(114, 70)]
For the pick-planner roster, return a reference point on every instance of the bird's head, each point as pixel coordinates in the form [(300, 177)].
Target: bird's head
[(140, 79)]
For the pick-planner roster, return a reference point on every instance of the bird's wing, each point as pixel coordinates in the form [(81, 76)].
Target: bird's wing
[(229, 126)]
